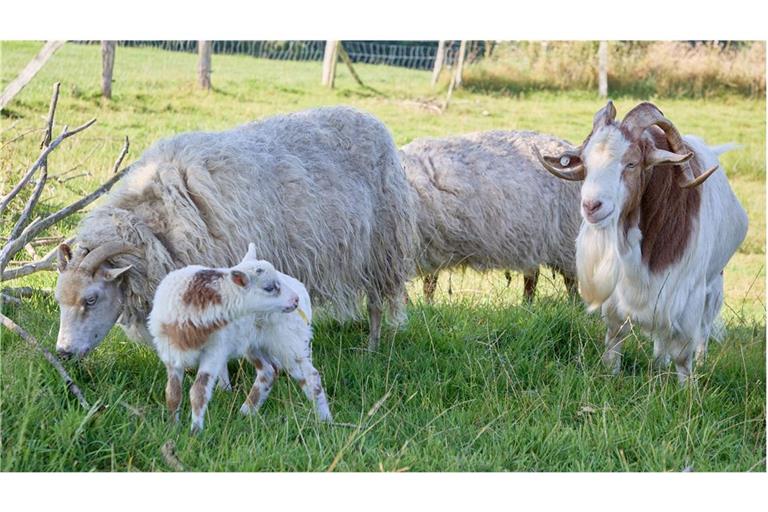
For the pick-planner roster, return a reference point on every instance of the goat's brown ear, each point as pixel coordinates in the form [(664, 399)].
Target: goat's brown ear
[(239, 278), (64, 254), (660, 156)]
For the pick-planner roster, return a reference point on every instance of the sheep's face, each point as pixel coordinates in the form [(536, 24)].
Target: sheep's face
[(89, 306)]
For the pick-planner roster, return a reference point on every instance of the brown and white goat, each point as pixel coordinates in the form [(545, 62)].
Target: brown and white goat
[(659, 226)]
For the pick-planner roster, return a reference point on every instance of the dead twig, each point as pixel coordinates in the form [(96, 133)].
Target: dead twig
[(123, 152), (40, 224), (68, 382), (47, 263), (65, 134), (169, 455)]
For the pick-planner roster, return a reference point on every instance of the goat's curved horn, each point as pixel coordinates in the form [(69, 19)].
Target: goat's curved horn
[(695, 182), (100, 254), (574, 174), (646, 115)]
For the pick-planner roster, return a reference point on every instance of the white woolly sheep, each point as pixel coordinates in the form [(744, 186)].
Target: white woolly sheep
[(658, 231), (203, 317), (322, 193), (485, 202)]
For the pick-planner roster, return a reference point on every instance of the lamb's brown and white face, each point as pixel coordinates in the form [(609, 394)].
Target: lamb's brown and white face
[(260, 284)]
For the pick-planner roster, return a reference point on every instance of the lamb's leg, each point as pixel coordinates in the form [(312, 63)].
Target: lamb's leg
[(374, 319), (529, 284), (262, 385), (223, 382), (210, 368), (429, 286), (308, 379), (173, 391)]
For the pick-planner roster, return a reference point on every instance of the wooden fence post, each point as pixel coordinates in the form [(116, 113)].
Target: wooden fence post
[(29, 72), (204, 64), (602, 71), (329, 62), (107, 66), (439, 62), (460, 64)]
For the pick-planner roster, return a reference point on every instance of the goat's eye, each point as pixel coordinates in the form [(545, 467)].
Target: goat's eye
[(631, 165), (91, 300)]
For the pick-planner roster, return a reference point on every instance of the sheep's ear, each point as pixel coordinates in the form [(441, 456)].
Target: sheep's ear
[(239, 278), (110, 274), (64, 254)]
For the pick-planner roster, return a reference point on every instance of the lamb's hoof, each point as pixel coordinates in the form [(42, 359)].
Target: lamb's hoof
[(196, 429), (247, 410)]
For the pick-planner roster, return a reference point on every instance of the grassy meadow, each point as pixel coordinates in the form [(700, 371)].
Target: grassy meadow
[(479, 381)]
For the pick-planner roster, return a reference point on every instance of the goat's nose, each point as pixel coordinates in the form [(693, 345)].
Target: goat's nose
[(64, 354), (591, 206)]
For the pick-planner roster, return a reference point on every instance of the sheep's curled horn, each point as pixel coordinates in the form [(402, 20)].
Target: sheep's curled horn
[(96, 257)]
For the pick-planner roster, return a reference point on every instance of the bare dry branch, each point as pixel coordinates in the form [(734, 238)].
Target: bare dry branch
[(51, 114), (123, 152), (41, 160), (40, 224), (31, 202), (70, 384), (47, 263), (29, 72)]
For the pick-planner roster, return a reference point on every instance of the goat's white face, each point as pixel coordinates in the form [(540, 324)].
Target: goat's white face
[(604, 192), (263, 291)]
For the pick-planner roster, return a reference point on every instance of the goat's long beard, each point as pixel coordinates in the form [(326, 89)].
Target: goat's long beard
[(597, 264)]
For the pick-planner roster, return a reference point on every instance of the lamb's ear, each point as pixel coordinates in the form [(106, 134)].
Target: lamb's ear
[(251, 251), (110, 274), (64, 254), (239, 278)]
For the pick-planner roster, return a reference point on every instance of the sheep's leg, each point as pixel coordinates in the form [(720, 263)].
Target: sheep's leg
[(571, 285), (529, 284), (374, 319), (223, 382), (508, 276), (262, 385), (614, 339), (309, 380), (429, 286), (173, 391)]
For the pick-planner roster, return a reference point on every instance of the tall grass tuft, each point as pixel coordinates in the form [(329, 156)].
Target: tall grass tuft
[(661, 68)]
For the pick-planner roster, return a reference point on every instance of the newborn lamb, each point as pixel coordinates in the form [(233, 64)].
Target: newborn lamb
[(203, 317)]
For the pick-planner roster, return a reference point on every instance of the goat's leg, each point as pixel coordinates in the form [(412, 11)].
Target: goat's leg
[(614, 339), (262, 385), (429, 286), (173, 391), (309, 380), (529, 285), (374, 322)]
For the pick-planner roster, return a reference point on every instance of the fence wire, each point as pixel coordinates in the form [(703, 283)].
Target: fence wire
[(408, 54)]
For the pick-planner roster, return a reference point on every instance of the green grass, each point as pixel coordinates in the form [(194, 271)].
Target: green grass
[(476, 382)]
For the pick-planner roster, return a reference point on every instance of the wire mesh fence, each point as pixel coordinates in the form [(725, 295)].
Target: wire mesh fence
[(408, 54)]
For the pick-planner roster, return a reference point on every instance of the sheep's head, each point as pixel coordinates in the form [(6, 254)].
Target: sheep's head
[(260, 286), (617, 159), (89, 296)]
